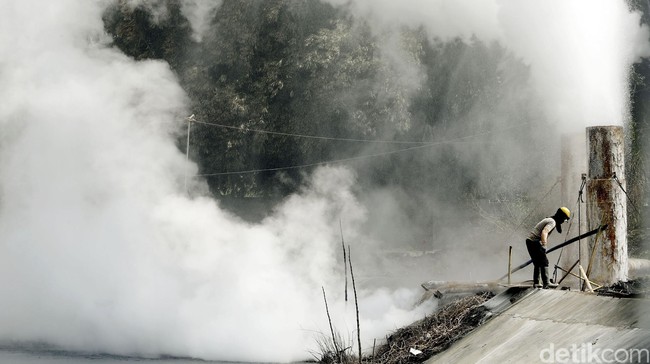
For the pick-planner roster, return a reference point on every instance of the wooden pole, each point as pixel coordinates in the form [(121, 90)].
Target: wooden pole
[(190, 119), (442, 288), (598, 286), (356, 302), (329, 319), (586, 279), (568, 271)]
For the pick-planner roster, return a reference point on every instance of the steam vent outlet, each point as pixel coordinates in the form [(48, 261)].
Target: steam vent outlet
[(607, 204)]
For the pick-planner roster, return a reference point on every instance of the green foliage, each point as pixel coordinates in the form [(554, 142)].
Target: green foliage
[(636, 171), (638, 149), (305, 67), (139, 35)]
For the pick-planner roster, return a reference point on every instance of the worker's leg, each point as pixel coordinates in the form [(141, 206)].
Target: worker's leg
[(544, 267), (536, 255), (544, 273)]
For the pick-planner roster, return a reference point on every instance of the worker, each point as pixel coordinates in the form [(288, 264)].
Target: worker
[(537, 242)]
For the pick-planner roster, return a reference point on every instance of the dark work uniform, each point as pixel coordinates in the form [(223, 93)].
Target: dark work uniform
[(538, 252)]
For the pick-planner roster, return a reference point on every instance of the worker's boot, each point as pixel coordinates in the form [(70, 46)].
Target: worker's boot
[(545, 282)]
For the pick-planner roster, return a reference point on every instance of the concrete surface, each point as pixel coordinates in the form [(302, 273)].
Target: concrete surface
[(553, 326)]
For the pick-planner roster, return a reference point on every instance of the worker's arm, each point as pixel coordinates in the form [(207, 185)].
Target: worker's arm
[(544, 236)]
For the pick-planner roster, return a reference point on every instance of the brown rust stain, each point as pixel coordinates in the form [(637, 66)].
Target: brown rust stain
[(604, 142), (600, 194)]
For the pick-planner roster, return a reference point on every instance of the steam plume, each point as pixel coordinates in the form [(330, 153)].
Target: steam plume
[(580, 52), (101, 248)]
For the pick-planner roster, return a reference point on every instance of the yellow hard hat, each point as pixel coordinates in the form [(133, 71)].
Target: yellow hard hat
[(565, 211)]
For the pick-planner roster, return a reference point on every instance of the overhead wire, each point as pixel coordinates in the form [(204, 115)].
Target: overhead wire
[(261, 131), (533, 209), (343, 160), (615, 178)]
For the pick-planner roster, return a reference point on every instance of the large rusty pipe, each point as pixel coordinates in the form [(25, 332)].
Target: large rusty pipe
[(606, 202)]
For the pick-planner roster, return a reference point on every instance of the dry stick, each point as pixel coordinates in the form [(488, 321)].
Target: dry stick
[(187, 148), (591, 257), (336, 347), (345, 265), (593, 254), (598, 286), (374, 342), (356, 302), (567, 272), (591, 260)]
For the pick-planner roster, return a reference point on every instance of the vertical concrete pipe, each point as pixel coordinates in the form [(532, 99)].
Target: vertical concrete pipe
[(607, 204)]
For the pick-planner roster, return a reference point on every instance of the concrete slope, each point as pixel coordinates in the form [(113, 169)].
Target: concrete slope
[(552, 326)]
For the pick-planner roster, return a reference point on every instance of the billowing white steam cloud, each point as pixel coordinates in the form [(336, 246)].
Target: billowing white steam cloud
[(579, 51), (580, 54), (100, 249), (199, 12)]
